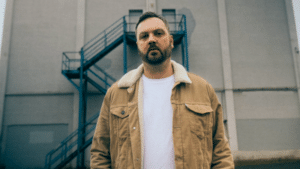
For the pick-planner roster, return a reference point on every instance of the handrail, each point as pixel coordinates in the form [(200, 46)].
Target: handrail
[(104, 81), (109, 35), (101, 70), (101, 33), (103, 37), (66, 61), (182, 23), (102, 42), (64, 147)]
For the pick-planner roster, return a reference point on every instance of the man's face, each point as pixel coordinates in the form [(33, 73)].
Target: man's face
[(154, 42)]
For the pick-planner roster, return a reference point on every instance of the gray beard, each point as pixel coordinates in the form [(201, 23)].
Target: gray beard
[(156, 61)]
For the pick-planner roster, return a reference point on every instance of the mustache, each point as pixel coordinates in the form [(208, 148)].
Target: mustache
[(153, 47)]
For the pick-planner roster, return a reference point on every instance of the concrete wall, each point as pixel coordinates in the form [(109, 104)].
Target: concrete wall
[(41, 30), (203, 37), (233, 44), (27, 145), (267, 120), (260, 47), (261, 57), (36, 93), (38, 109)]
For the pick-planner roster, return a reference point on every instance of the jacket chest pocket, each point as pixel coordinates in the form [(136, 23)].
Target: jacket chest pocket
[(120, 121), (200, 117)]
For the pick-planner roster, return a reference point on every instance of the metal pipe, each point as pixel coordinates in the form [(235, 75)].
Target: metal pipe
[(81, 107), (124, 46), (186, 45), (182, 53)]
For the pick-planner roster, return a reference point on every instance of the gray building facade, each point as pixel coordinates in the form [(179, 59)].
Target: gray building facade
[(246, 49)]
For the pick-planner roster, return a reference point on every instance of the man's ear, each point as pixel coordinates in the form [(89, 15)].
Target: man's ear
[(172, 41)]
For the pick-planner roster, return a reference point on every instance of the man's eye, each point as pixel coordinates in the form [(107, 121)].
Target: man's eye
[(144, 36), (158, 33)]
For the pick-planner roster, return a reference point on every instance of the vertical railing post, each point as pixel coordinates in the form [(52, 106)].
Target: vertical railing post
[(182, 53), (49, 164), (62, 65), (69, 62), (80, 115), (46, 162), (66, 150), (186, 45), (62, 154), (124, 45), (175, 23)]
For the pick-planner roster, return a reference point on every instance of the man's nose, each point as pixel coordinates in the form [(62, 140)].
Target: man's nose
[(152, 39)]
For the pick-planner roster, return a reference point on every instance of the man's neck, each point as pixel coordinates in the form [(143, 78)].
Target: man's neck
[(159, 71)]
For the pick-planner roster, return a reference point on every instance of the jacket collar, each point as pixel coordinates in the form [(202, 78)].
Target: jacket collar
[(132, 76)]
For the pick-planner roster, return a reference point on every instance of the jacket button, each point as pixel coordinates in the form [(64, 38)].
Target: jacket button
[(178, 158), (133, 128), (123, 112)]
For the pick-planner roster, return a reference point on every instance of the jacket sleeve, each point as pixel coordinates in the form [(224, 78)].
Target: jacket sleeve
[(221, 157), (100, 148)]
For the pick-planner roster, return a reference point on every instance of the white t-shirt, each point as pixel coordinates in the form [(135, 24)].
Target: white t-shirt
[(158, 123)]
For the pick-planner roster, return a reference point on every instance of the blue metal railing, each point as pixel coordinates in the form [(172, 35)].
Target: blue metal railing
[(69, 61), (108, 80), (108, 36), (68, 145), (111, 34)]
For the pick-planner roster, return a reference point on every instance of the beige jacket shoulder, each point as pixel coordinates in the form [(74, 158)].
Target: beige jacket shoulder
[(198, 130)]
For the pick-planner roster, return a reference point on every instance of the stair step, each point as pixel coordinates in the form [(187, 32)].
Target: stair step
[(101, 54), (72, 74)]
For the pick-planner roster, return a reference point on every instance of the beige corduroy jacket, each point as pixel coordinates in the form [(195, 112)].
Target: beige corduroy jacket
[(198, 130)]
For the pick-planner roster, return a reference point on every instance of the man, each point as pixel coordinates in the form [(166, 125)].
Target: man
[(159, 115)]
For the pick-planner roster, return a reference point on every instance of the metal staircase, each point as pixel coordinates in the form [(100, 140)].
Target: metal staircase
[(80, 68)]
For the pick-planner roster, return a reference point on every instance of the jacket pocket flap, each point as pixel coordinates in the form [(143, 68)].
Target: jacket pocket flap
[(119, 111), (197, 108)]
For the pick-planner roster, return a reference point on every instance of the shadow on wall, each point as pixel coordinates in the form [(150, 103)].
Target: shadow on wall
[(190, 22)]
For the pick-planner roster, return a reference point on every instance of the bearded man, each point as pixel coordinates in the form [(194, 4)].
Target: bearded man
[(159, 115)]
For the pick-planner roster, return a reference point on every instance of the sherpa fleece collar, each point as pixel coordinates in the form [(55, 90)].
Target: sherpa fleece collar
[(132, 76)]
